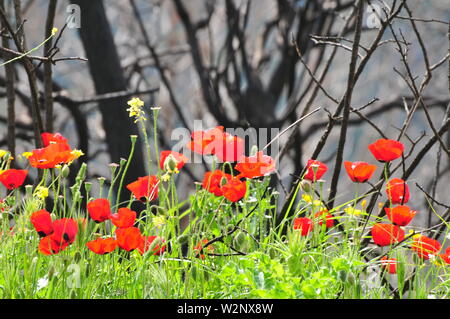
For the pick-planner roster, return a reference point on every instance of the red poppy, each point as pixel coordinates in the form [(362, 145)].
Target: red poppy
[(99, 210), (145, 188), (446, 257), (397, 191), (227, 147), (386, 150), (387, 234), (234, 190), (425, 246), (65, 230), (359, 172), (180, 158), (315, 170), (124, 218), (42, 222), (303, 224), (255, 166), (230, 148), (389, 264), (201, 140), (325, 215), (49, 138), (49, 246), (400, 215), (213, 181), (102, 246), (52, 155), (198, 249), (157, 249), (129, 238), (13, 178)]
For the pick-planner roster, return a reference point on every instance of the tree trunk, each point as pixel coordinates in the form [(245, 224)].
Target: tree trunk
[(107, 74)]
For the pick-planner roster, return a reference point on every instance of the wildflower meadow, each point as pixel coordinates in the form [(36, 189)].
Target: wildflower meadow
[(305, 188)]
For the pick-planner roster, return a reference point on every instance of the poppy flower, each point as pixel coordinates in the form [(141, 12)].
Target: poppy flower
[(446, 257), (227, 147), (425, 246), (397, 191), (52, 155), (99, 210), (198, 249), (49, 246), (145, 188), (124, 218), (202, 140), (42, 222), (65, 230), (255, 166), (230, 148), (129, 238), (13, 178), (303, 224), (387, 234), (325, 215), (315, 170), (102, 246), (400, 215), (213, 181), (49, 138), (385, 150), (157, 248), (180, 159), (359, 172), (389, 264), (234, 190)]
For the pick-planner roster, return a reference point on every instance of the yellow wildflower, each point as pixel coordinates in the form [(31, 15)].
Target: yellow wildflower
[(77, 153), (159, 221), (316, 203), (353, 211), (54, 31), (136, 110), (3, 153), (41, 192), (27, 154), (165, 177)]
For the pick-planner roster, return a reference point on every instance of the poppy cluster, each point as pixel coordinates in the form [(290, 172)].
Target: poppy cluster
[(219, 143), (127, 237), (56, 235)]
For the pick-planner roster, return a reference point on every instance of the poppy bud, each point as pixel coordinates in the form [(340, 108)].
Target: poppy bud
[(351, 278), (170, 164), (77, 257), (272, 252), (254, 150), (342, 275), (29, 190), (241, 242), (51, 272), (65, 171), (183, 239), (88, 186), (305, 185), (122, 161)]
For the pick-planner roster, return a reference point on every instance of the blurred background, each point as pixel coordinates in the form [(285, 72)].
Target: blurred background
[(234, 63)]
